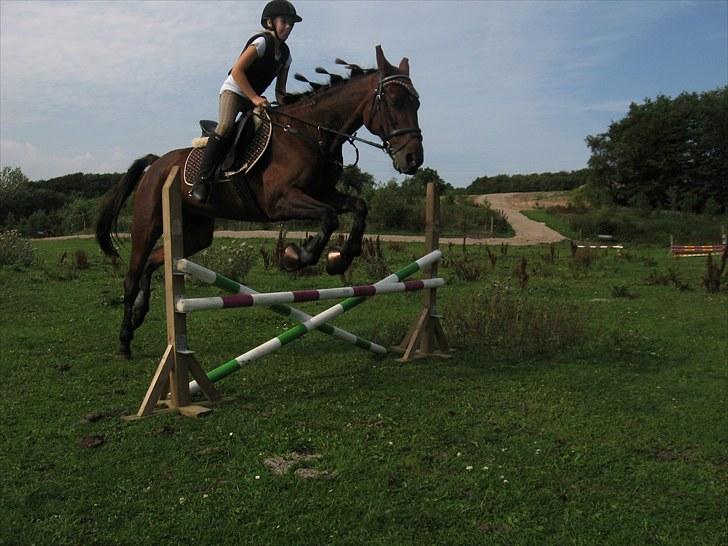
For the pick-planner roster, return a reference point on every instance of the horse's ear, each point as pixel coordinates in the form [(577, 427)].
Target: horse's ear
[(382, 62), (404, 66)]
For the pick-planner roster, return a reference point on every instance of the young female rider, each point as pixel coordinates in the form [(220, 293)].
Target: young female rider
[(264, 58)]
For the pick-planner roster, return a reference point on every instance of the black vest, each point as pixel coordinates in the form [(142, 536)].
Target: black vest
[(265, 69)]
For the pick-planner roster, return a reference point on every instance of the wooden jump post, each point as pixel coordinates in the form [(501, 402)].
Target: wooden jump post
[(178, 362), (426, 336), (171, 385)]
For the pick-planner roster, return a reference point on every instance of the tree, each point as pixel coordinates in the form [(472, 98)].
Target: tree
[(11, 178), (547, 181), (425, 175), (12, 184), (354, 179), (666, 153)]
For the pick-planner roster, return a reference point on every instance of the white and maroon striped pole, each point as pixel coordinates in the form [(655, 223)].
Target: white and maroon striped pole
[(210, 277), (188, 305)]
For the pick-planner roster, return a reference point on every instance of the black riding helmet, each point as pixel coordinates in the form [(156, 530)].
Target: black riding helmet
[(277, 8)]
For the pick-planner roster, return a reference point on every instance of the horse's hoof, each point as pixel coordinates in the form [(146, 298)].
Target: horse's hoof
[(291, 259), (123, 354), (336, 263)]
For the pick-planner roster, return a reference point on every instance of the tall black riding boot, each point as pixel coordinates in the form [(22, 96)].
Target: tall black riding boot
[(213, 153)]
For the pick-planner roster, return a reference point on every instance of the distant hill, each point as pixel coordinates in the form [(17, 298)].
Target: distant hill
[(505, 183), (79, 184)]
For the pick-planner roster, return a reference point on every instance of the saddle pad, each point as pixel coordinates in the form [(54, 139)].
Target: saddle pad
[(248, 158)]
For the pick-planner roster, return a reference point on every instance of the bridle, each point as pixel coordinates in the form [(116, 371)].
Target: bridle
[(381, 105)]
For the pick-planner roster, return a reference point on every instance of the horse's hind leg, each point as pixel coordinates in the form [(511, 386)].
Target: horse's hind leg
[(141, 302), (197, 235), (141, 248)]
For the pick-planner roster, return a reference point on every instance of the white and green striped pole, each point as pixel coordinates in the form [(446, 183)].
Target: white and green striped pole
[(314, 322), (210, 277)]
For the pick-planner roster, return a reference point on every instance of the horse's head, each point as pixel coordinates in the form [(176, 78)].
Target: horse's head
[(393, 115)]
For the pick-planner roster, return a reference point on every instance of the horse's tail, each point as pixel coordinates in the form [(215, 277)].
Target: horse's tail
[(106, 225)]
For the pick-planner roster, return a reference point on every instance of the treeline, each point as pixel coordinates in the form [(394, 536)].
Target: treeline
[(506, 183), (666, 154), (69, 204), (66, 204)]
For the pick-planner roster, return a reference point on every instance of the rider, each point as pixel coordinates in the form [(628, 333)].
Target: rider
[(264, 58)]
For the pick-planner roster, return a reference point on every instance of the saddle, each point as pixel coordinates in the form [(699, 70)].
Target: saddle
[(250, 139)]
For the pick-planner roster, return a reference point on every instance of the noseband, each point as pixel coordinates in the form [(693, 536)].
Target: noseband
[(381, 105)]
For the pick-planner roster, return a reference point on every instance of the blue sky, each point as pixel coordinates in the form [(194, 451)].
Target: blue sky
[(506, 87)]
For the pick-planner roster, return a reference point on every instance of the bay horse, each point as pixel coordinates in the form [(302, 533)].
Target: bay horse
[(295, 179)]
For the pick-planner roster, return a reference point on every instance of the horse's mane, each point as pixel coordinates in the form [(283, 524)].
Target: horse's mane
[(335, 81)]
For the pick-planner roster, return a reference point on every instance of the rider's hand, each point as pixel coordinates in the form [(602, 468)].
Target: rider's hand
[(259, 101)]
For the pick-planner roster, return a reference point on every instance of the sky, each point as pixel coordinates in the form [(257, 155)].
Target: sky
[(506, 87)]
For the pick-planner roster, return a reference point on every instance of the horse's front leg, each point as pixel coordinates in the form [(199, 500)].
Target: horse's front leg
[(338, 260), (300, 206)]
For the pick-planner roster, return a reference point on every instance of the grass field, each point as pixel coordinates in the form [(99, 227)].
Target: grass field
[(633, 226), (619, 437)]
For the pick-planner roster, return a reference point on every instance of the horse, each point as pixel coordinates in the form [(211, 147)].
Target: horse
[(295, 179)]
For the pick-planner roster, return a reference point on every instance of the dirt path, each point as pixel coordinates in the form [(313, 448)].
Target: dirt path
[(528, 232)]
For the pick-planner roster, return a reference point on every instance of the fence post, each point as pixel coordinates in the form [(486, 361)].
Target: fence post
[(426, 335)]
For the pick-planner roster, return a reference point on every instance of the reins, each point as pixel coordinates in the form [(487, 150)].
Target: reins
[(320, 128)]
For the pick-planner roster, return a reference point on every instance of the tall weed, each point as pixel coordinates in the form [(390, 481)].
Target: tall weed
[(714, 273)]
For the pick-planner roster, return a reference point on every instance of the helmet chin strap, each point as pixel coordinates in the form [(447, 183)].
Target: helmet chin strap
[(272, 29)]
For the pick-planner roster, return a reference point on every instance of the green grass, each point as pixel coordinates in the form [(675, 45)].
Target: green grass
[(554, 221), (618, 439), (632, 225)]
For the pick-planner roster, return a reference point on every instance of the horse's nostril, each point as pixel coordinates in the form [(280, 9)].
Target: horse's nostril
[(411, 160)]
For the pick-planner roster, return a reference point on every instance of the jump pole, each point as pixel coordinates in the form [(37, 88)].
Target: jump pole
[(426, 336), (187, 305), (314, 322), (210, 277)]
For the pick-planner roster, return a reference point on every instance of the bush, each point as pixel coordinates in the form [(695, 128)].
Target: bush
[(467, 218), (622, 291), (670, 277), (233, 260), (14, 250), (582, 260), (513, 324), (468, 268), (605, 221)]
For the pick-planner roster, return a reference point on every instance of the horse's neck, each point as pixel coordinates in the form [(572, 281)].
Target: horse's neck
[(341, 108)]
